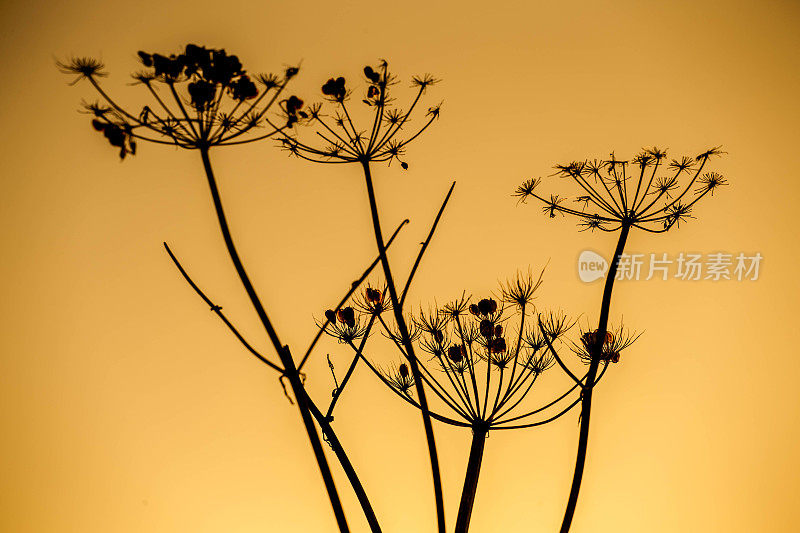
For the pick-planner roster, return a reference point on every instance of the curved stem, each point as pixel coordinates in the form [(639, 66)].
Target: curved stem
[(471, 479), (283, 351), (412, 360), (218, 310), (586, 402)]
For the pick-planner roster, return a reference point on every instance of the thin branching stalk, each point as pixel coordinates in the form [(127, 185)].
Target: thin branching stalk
[(412, 361), (606, 202), (218, 311), (347, 466), (353, 287), (586, 402), (345, 143), (323, 421), (283, 352), (425, 244)]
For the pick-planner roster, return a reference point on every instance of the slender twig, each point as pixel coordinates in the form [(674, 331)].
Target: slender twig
[(567, 371), (218, 310), (353, 287), (586, 399), (340, 388), (412, 360), (323, 421), (283, 351), (347, 466), (425, 244)]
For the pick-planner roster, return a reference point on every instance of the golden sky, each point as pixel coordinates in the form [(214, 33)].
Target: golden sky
[(126, 407)]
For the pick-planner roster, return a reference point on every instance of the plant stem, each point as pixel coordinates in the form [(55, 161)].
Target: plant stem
[(471, 479), (347, 466), (586, 402), (283, 351), (412, 360)]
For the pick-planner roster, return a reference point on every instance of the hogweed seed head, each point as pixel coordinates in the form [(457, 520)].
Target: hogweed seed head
[(484, 358), (345, 142), (200, 98), (645, 193)]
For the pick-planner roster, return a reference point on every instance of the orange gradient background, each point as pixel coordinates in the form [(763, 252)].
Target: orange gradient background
[(127, 407)]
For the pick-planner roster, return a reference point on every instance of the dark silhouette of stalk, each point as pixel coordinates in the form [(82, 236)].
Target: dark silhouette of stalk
[(353, 286), (425, 244), (347, 466), (450, 335), (340, 387), (219, 104), (659, 203), (412, 361), (343, 142), (283, 351), (471, 479), (218, 311), (586, 402), (323, 421)]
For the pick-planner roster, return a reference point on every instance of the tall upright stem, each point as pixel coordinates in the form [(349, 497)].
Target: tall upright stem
[(586, 395), (412, 360), (289, 368), (471, 479)]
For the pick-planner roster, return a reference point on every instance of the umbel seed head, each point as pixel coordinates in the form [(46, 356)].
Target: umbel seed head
[(201, 98)]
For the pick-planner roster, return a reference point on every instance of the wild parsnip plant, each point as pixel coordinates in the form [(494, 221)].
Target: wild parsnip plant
[(337, 139), (482, 360), (649, 193), (482, 357), (203, 99)]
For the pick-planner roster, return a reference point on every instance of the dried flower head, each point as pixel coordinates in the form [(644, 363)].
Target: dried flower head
[(82, 67), (484, 358), (519, 290), (614, 341), (344, 325), (400, 379), (343, 140), (646, 192), (372, 301), (200, 98)]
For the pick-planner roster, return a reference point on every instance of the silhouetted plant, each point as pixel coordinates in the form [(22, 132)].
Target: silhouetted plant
[(616, 195), (203, 98), (485, 357), (344, 142)]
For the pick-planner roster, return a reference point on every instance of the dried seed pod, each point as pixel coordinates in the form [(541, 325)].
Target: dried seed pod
[(487, 306), (498, 345)]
